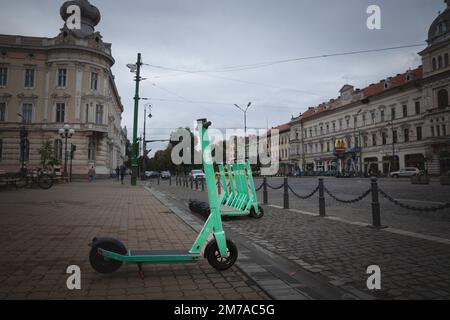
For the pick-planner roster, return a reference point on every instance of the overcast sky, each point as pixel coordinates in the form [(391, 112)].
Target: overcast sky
[(199, 35)]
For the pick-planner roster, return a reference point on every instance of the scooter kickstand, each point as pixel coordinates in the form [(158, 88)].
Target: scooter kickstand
[(141, 273)]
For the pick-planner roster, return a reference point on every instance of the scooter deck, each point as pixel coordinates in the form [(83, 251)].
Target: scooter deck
[(153, 256), (228, 211)]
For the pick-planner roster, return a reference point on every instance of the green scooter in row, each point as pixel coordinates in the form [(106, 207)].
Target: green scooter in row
[(108, 254)]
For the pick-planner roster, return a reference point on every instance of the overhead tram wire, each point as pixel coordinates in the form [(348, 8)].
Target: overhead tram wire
[(275, 62)]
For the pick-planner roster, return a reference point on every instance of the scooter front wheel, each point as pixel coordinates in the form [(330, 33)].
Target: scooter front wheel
[(100, 263), (216, 260), (258, 215)]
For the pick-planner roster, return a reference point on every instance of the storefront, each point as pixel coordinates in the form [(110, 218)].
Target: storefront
[(444, 162), (390, 164), (415, 160), (371, 166)]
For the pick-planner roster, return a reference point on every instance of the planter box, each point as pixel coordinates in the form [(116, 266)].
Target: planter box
[(420, 180), (445, 181)]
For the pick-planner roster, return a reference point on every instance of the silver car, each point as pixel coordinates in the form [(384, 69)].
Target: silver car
[(406, 172)]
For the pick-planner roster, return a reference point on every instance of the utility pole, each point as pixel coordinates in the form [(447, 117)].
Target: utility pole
[(134, 148), (245, 126)]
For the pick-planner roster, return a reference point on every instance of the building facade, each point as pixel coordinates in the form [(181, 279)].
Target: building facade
[(46, 83), (399, 122)]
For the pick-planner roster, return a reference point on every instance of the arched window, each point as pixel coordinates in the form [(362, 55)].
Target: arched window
[(440, 62), (24, 150), (442, 96), (58, 149), (434, 64), (91, 149)]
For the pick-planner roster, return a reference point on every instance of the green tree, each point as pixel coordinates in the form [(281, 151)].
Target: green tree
[(47, 154)]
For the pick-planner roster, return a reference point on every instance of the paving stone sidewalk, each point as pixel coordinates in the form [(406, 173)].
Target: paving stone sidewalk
[(43, 232), (411, 268)]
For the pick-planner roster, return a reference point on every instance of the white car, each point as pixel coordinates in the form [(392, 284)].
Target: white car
[(406, 172), (197, 175)]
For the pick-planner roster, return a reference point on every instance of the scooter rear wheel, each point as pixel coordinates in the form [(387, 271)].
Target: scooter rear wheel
[(258, 215), (101, 264), (216, 261)]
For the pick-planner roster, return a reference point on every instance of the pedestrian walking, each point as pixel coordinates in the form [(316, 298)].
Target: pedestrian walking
[(117, 173), (91, 174), (123, 171)]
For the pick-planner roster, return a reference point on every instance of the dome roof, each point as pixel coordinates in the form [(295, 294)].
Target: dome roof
[(90, 15), (440, 28)]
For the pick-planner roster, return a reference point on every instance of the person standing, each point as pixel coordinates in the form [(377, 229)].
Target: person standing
[(123, 171), (91, 174)]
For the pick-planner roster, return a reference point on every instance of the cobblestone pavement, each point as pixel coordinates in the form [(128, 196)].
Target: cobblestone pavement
[(43, 232), (411, 268)]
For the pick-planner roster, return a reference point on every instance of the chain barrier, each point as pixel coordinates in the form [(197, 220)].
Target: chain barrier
[(275, 188), (260, 187), (409, 207), (365, 194), (304, 197)]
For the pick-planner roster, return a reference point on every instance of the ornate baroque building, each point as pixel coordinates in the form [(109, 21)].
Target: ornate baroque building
[(401, 121), (50, 82)]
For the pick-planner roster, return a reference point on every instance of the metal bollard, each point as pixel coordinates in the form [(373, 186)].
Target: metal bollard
[(192, 184), (203, 185), (376, 217), (170, 180), (265, 200), (321, 199), (219, 186), (286, 194), (196, 184), (158, 180)]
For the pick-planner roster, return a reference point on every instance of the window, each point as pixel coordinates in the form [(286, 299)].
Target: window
[(446, 60), (364, 119), (24, 150), (328, 147), (444, 130), (328, 128), (432, 131), (442, 98), (3, 77), (334, 126), (1, 149), (439, 62), (27, 112), (382, 115), (310, 133), (374, 139), (340, 124), (29, 78), (384, 138), (372, 115), (99, 114), (60, 112), (393, 114), (94, 81), (2, 111), (321, 130), (58, 149), (347, 121), (438, 130), (356, 142), (405, 111), (87, 113), (406, 135), (434, 64), (62, 78), (321, 147), (91, 149), (419, 133), (417, 106), (366, 141), (394, 136)]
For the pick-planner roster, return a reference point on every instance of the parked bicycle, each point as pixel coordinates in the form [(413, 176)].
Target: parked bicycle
[(30, 178)]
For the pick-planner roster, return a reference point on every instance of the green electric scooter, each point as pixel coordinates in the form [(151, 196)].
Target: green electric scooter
[(108, 254)]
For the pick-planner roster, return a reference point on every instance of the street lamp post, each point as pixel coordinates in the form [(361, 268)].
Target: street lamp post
[(66, 133), (144, 141), (359, 144), (393, 147), (245, 126), (135, 68), (23, 138)]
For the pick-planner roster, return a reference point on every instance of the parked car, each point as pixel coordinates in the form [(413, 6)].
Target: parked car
[(165, 175), (406, 172), (152, 174), (197, 175)]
